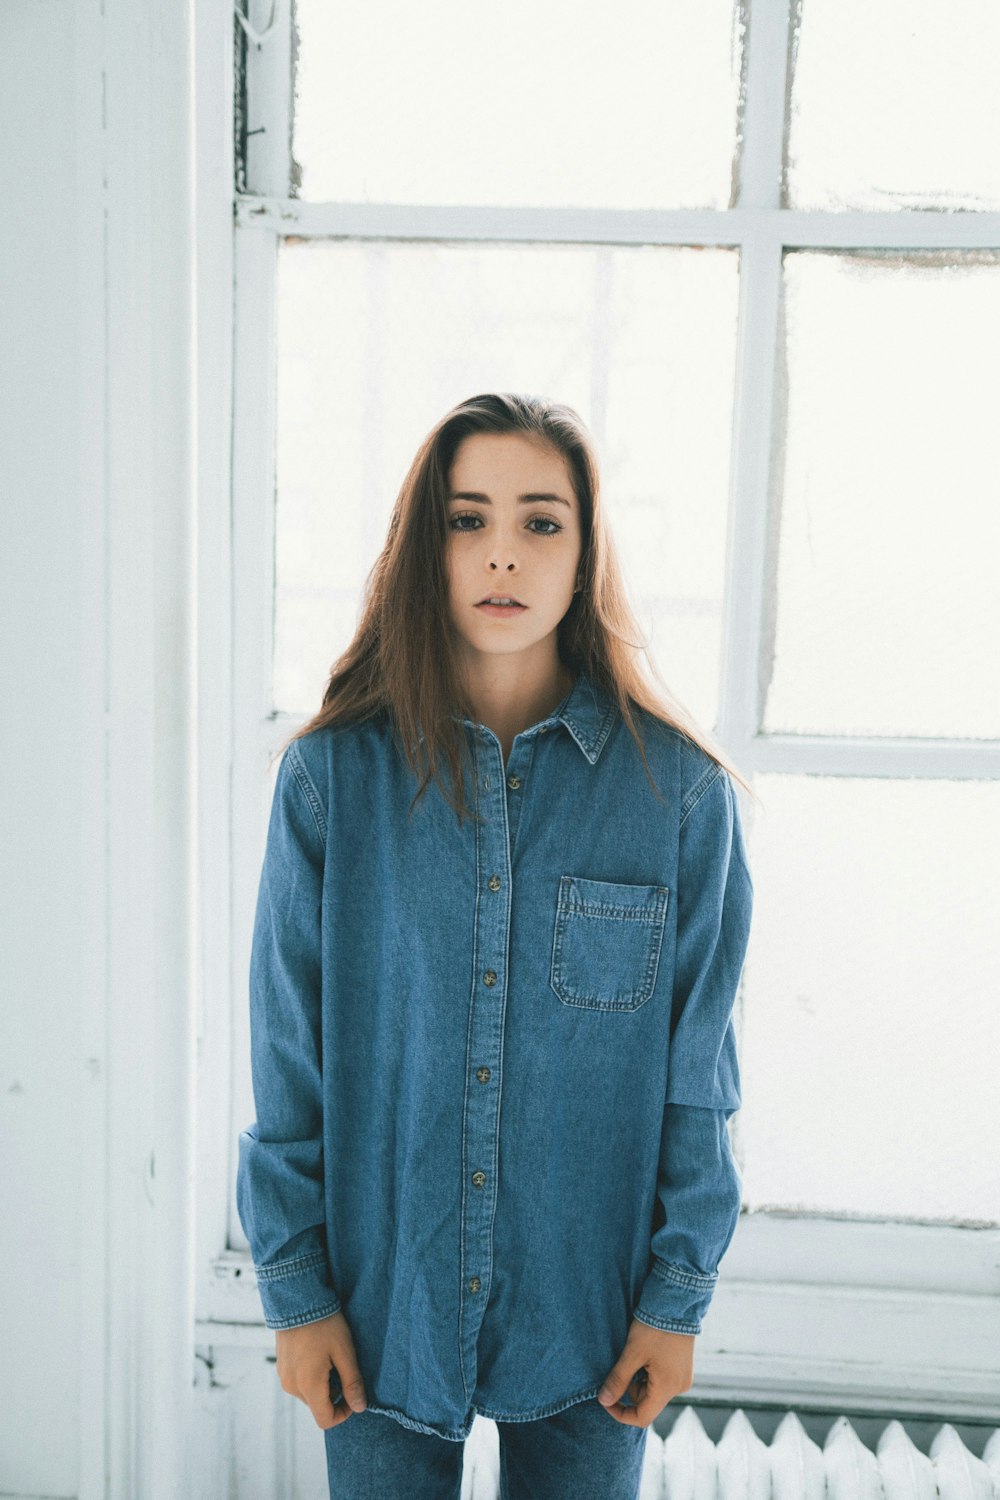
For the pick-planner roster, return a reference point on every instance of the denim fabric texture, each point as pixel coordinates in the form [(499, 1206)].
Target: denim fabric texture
[(580, 1453), (493, 1067)]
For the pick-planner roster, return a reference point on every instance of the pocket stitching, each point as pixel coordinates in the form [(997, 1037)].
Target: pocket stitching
[(653, 917)]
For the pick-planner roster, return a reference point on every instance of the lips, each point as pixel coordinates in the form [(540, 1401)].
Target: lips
[(513, 601)]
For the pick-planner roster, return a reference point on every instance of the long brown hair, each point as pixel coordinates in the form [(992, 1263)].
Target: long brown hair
[(402, 658)]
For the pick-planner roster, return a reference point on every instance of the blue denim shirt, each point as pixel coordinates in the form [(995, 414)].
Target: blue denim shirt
[(493, 1067)]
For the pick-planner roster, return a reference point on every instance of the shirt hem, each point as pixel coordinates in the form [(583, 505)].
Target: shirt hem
[(459, 1434), (540, 1411)]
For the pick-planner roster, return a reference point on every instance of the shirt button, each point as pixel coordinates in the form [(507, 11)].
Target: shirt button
[(479, 1178), (490, 977), (483, 1074), (475, 1284), (513, 782), (494, 882)]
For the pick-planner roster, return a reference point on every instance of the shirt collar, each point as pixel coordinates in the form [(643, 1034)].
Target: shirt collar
[(587, 711)]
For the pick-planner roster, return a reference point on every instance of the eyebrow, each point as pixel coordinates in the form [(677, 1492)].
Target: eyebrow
[(532, 498)]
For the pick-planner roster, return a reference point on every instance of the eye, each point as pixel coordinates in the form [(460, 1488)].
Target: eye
[(455, 523)]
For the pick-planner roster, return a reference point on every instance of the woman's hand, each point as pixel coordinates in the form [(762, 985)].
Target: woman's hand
[(306, 1356), (654, 1366)]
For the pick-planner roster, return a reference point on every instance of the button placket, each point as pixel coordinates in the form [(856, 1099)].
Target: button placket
[(516, 782), (488, 1002)]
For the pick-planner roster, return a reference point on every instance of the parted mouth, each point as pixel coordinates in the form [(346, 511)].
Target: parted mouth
[(501, 599)]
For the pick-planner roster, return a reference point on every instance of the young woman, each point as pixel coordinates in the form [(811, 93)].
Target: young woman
[(493, 1051)]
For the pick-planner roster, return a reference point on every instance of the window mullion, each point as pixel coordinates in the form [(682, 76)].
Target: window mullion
[(269, 99), (767, 55), (743, 670), (750, 541)]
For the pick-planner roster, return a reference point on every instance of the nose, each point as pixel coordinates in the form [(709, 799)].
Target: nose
[(502, 557), (501, 549)]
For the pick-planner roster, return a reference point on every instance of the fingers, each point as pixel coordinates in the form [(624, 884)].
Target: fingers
[(649, 1399), (343, 1400), (317, 1397), (321, 1391), (328, 1400), (654, 1366), (644, 1407), (354, 1391), (623, 1377), (312, 1360)]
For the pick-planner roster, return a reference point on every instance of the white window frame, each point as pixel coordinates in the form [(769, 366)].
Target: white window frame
[(819, 1312)]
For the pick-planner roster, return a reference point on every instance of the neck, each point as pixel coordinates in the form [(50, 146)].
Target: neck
[(508, 694)]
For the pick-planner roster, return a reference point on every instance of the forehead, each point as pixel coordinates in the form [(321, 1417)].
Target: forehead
[(504, 464)]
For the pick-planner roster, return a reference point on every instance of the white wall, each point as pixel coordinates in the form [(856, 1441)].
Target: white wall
[(98, 984), (42, 1071)]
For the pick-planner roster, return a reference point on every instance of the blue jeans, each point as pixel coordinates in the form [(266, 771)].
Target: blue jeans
[(580, 1453)]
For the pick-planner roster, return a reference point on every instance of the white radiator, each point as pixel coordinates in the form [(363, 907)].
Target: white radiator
[(687, 1465)]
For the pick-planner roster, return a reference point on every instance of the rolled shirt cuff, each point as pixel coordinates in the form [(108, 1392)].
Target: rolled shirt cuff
[(674, 1299), (296, 1291)]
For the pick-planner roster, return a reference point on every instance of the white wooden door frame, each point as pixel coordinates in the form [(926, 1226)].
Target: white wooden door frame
[(140, 468)]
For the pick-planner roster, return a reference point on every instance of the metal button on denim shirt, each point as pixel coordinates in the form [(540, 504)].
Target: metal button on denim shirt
[(493, 1066)]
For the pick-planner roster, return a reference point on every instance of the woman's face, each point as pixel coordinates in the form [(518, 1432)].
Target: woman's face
[(514, 530)]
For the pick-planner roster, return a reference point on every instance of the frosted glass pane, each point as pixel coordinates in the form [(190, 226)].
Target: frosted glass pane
[(531, 104), (870, 1041), (377, 342), (887, 605), (895, 105)]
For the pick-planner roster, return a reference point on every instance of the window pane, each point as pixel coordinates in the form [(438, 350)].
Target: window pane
[(895, 105), (888, 611), (530, 104), (871, 1024), (377, 342)]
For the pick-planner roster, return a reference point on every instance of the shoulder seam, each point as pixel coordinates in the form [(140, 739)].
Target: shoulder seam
[(708, 777), (309, 791)]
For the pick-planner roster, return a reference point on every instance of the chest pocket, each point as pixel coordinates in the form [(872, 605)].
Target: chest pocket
[(606, 943)]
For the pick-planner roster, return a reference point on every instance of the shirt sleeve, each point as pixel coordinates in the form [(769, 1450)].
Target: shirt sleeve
[(699, 1187), (279, 1186)]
